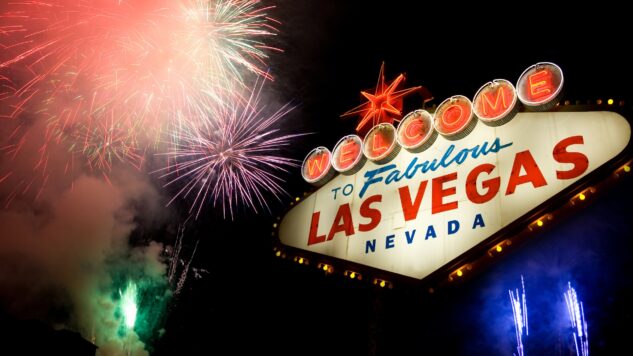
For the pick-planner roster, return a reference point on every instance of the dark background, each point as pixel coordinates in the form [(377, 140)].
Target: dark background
[(251, 302)]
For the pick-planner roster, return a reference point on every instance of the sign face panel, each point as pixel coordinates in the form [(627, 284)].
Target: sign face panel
[(417, 212)]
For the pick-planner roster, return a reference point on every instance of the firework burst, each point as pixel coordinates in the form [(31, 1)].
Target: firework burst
[(519, 312), (106, 142), (129, 305), (233, 29), (577, 318), (110, 77), (231, 159)]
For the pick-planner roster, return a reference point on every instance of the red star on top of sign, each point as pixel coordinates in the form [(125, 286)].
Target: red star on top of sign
[(384, 105)]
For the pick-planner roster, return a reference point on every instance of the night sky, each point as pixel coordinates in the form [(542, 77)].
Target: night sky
[(249, 302), (334, 50)]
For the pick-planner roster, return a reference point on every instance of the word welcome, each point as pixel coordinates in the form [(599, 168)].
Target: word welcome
[(494, 104)]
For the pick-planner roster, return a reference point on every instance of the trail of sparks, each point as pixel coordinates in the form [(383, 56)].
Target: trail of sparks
[(175, 253), (231, 159), (185, 271), (176, 261), (519, 312), (577, 318)]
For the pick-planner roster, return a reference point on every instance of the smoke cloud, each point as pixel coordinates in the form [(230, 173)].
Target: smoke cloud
[(66, 257)]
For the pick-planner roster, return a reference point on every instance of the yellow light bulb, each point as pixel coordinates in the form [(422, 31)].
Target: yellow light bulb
[(499, 248), (459, 273), (581, 196), (627, 169), (301, 260), (610, 101), (352, 275), (382, 284), (539, 222)]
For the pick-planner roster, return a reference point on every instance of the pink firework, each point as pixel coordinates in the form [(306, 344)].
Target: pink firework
[(110, 77), (232, 159)]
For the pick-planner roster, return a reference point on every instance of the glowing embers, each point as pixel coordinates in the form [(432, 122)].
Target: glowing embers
[(347, 156), (380, 144), (416, 132), (540, 86), (454, 117), (496, 102), (316, 168)]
